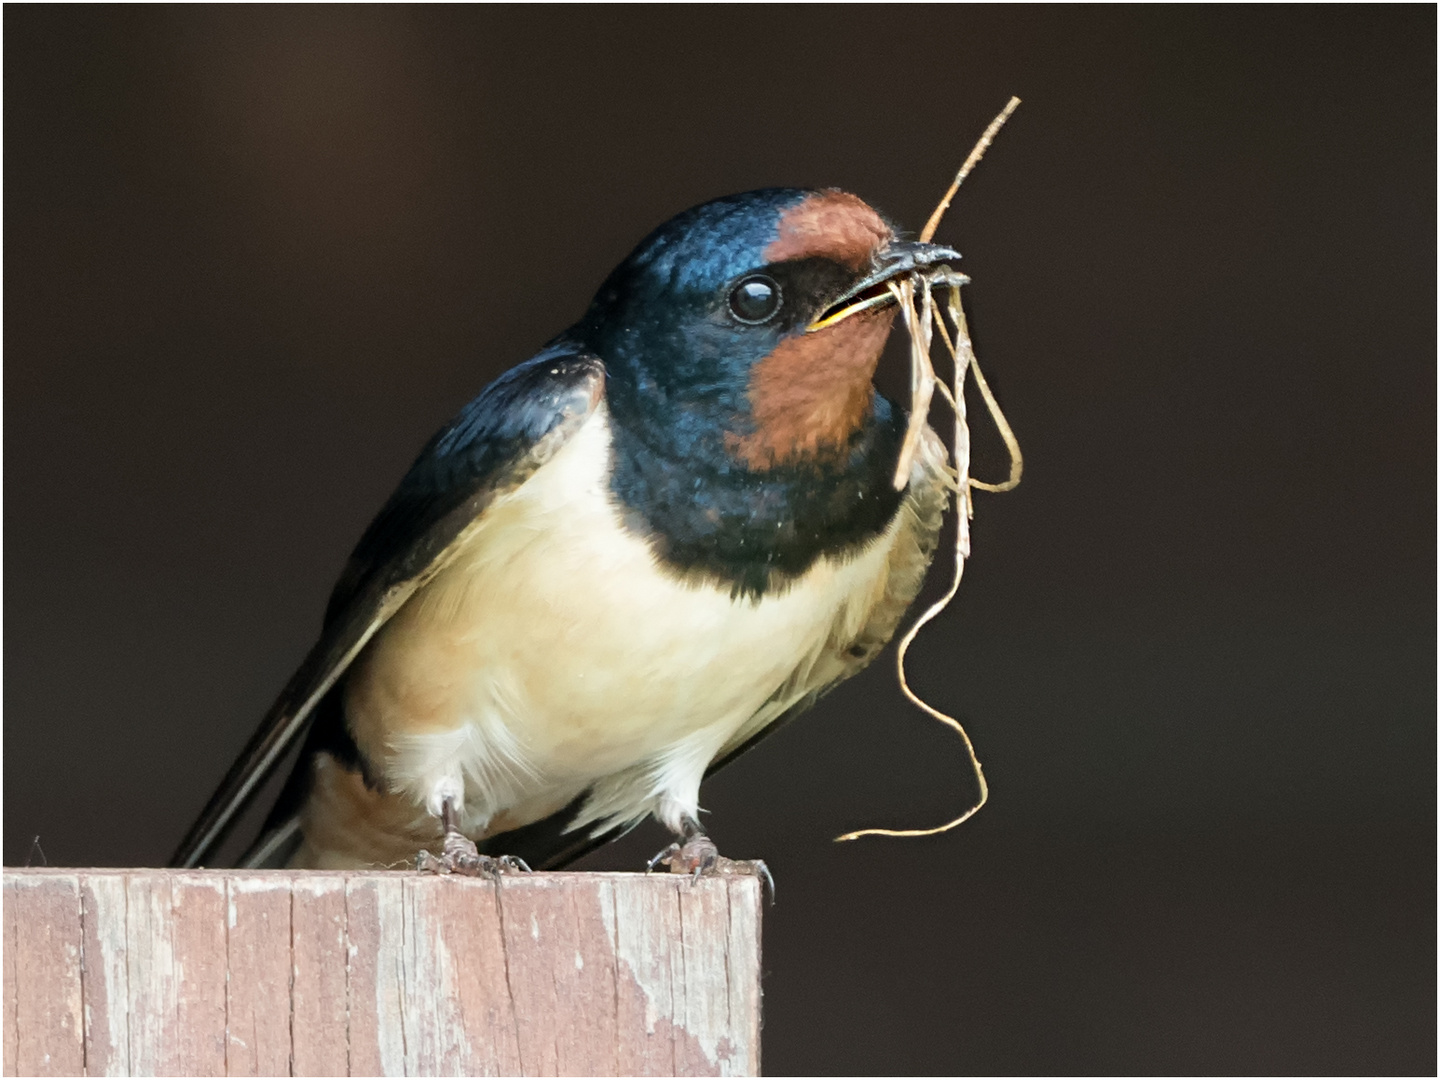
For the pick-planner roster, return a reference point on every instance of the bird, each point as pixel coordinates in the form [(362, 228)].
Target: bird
[(624, 563)]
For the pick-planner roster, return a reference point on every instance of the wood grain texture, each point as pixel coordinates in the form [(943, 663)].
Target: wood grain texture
[(560, 946), (319, 1009), (257, 1029), (44, 1022), (198, 929), (103, 905), (264, 973), (12, 995)]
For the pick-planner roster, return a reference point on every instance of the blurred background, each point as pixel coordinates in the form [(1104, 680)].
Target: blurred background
[(255, 256)]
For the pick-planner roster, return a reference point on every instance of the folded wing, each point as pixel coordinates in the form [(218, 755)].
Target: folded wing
[(494, 445)]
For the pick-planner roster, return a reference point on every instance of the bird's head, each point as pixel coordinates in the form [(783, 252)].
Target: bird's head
[(749, 328)]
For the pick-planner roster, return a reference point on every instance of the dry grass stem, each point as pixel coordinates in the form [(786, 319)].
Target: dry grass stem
[(920, 325), (970, 162)]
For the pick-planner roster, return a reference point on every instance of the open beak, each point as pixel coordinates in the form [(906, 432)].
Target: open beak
[(873, 291)]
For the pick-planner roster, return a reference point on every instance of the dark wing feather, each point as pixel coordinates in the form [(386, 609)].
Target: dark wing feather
[(494, 445)]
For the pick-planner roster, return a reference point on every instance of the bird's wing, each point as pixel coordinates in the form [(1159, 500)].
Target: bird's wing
[(551, 843), (496, 443)]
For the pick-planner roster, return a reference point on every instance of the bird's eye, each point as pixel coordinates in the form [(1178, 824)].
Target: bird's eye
[(755, 299)]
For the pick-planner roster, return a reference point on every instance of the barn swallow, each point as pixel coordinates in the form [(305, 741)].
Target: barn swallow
[(621, 565)]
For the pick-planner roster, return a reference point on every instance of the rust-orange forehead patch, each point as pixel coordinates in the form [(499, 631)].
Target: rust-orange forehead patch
[(832, 225)]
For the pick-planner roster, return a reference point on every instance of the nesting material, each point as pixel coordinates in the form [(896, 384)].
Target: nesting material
[(916, 296)]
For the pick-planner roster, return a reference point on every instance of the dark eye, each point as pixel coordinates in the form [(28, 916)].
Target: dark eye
[(755, 299)]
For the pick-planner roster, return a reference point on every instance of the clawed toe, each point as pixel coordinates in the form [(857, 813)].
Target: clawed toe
[(460, 856), (698, 856), (760, 870), (468, 865)]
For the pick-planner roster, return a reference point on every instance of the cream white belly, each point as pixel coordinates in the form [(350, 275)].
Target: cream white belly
[(553, 652)]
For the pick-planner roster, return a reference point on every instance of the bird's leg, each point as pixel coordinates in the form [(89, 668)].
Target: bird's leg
[(459, 855), (696, 854)]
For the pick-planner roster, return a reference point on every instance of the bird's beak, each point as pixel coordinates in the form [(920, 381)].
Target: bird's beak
[(894, 260)]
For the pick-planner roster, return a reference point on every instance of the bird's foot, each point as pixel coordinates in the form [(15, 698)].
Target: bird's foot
[(459, 855), (699, 856)]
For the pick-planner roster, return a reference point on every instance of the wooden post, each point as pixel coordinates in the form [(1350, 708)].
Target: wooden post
[(264, 973)]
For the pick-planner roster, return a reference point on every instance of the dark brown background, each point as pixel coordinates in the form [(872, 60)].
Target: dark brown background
[(253, 257)]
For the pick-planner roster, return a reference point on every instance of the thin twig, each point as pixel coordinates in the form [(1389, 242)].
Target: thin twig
[(963, 358), (923, 384), (922, 375), (970, 163), (1012, 445)]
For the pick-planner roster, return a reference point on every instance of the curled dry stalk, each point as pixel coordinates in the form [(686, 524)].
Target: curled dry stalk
[(920, 324)]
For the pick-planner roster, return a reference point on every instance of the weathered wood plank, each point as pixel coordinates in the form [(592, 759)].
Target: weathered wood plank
[(453, 944), (150, 972), (559, 942), (320, 952), (43, 957), (12, 995), (107, 975), (153, 993), (646, 976), (199, 910), (743, 955), (700, 1010), (374, 922), (257, 1002)]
